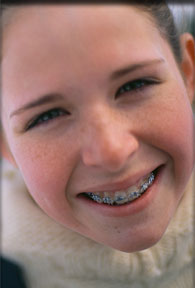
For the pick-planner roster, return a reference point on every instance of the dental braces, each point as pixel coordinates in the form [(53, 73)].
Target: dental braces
[(118, 200)]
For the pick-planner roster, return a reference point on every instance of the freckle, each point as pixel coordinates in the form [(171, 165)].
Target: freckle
[(117, 229)]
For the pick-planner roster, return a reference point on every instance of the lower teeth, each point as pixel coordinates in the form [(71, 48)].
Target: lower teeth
[(120, 200)]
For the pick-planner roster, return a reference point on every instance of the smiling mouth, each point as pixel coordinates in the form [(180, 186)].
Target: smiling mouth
[(123, 196)]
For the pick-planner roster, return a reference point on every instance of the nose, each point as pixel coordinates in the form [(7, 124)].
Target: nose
[(108, 144)]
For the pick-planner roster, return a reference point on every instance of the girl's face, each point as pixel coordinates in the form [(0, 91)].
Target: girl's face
[(93, 102)]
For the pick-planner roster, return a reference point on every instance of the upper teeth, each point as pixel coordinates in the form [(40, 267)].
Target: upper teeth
[(122, 197)]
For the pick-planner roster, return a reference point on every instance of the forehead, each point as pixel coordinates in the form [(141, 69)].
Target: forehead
[(66, 25), (77, 14), (47, 41)]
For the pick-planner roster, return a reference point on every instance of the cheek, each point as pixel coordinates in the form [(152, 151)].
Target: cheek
[(169, 126), (46, 168)]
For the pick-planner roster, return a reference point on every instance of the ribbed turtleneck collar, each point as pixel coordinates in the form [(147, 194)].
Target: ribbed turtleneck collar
[(53, 256)]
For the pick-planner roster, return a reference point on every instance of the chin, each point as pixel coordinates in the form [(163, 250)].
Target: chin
[(135, 247), (137, 243)]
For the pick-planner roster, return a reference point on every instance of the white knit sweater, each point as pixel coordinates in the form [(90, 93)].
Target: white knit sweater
[(54, 257)]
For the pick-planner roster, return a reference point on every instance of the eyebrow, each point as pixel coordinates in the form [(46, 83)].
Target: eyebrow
[(45, 99), (49, 98), (133, 67)]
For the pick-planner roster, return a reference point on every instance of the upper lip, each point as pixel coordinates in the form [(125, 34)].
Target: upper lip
[(120, 185)]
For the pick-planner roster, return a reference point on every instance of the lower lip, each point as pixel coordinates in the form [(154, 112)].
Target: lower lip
[(130, 208)]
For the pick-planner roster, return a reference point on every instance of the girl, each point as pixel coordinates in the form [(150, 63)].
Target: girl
[(96, 114)]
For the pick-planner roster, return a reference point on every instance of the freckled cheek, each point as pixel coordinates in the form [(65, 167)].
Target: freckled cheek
[(170, 128), (46, 168)]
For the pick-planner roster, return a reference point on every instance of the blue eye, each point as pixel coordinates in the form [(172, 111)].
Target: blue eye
[(135, 86), (46, 117)]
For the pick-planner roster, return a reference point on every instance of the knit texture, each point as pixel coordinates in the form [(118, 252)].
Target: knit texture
[(55, 257)]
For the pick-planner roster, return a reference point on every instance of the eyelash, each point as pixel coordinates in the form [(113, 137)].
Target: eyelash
[(45, 117), (136, 86)]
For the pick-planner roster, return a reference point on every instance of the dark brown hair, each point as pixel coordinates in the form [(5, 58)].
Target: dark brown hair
[(164, 20)]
